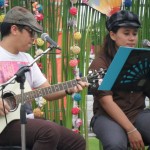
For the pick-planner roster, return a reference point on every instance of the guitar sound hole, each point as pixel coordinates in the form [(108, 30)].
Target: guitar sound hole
[(10, 99)]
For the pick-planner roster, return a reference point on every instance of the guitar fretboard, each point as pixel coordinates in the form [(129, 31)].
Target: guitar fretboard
[(48, 90)]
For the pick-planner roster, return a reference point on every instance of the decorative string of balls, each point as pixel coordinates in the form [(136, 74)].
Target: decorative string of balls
[(3, 3), (39, 51), (73, 10), (37, 9), (75, 49), (77, 122)]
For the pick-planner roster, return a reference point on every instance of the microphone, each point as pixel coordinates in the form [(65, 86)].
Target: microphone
[(146, 43), (47, 38)]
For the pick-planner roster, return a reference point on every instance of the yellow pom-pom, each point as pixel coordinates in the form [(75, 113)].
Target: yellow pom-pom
[(77, 35), (2, 17), (40, 42)]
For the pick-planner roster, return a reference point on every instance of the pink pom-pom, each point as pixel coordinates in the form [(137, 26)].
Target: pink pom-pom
[(39, 17), (75, 110), (73, 11), (78, 122), (73, 63)]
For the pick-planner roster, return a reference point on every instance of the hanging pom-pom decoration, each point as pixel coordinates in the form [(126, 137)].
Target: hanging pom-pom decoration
[(128, 3), (75, 110), (39, 16), (2, 17), (73, 11), (77, 35), (39, 7), (40, 42), (34, 5), (76, 96), (6, 3), (38, 52), (73, 63), (40, 101), (2, 2), (75, 49), (38, 113), (72, 22), (78, 122)]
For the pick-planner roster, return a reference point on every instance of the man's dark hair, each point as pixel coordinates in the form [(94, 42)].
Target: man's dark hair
[(5, 28)]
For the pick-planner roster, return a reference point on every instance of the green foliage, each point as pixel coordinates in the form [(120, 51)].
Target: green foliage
[(93, 143)]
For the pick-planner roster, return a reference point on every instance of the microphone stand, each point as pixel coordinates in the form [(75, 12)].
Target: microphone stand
[(20, 78)]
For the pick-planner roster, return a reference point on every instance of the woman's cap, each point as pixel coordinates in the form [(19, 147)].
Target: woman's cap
[(21, 16), (123, 18)]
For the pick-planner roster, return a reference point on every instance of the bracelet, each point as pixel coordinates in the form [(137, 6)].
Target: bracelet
[(135, 129), (66, 91)]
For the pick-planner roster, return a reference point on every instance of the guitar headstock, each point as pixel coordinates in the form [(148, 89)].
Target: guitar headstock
[(95, 77)]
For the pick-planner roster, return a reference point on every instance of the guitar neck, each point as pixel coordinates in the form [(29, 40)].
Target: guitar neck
[(48, 90)]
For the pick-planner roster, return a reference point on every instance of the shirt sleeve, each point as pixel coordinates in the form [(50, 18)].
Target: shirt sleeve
[(96, 64), (35, 77)]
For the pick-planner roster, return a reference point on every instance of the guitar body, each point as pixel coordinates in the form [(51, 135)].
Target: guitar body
[(14, 114)]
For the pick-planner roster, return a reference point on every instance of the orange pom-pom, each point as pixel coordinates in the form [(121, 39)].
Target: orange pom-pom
[(38, 113)]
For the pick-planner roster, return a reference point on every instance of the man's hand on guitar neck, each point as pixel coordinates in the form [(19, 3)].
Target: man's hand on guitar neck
[(7, 108), (78, 88)]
